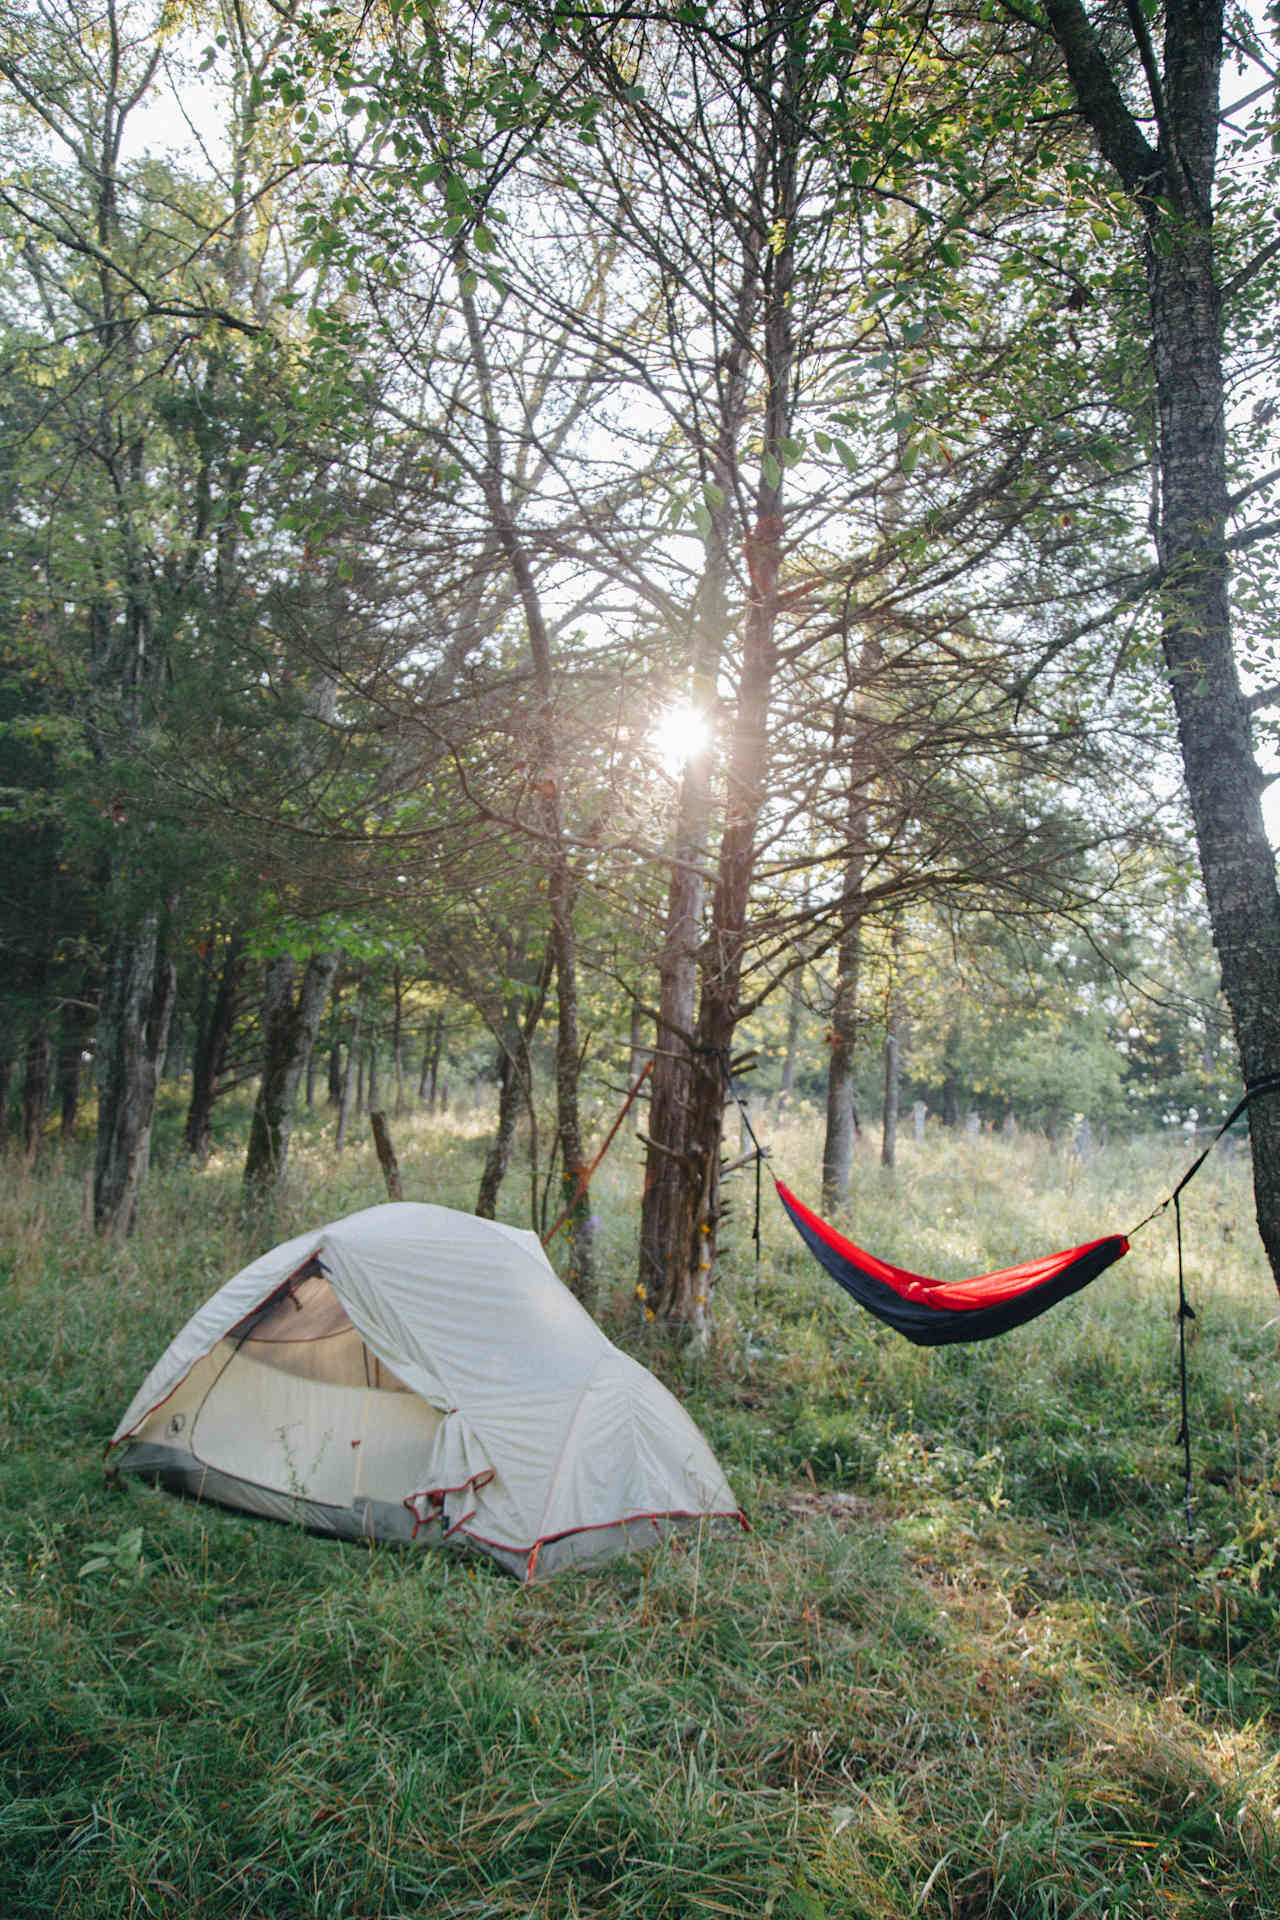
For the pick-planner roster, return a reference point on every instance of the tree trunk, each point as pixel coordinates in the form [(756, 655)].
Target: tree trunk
[(289, 1026), (842, 1030), (674, 1174), (892, 1063), (36, 1084), (354, 1059), (515, 1084), (794, 1006), (1171, 185), (133, 1032), (637, 1051), (214, 1022), (951, 1074), (397, 1039)]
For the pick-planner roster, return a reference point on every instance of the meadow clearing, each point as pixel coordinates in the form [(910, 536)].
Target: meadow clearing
[(964, 1663)]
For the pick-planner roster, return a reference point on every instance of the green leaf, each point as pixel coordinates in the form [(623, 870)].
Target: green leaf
[(791, 451), (772, 471)]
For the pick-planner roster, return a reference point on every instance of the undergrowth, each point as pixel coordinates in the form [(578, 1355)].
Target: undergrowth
[(963, 1665)]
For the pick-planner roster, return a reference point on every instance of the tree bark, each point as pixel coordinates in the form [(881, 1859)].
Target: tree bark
[(678, 1155), (515, 1084), (290, 1023), (842, 1028), (213, 1034), (397, 1039), (352, 1065), (1171, 185), (36, 1085), (386, 1153), (133, 1032), (892, 1061)]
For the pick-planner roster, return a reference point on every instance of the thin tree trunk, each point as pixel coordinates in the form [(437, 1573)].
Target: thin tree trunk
[(515, 1084), (386, 1153), (892, 1059), (6, 1079), (561, 883), (637, 1051), (37, 1079), (433, 1078), (133, 1032), (290, 1023), (794, 1009), (842, 1030), (951, 1074), (213, 1035), (397, 1039), (353, 1056)]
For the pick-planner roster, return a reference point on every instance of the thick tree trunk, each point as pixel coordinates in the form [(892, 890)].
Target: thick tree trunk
[(289, 1026), (1224, 782), (1171, 185), (133, 1033), (675, 1171), (215, 1019)]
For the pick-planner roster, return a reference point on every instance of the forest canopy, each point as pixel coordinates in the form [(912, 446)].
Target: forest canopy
[(535, 542)]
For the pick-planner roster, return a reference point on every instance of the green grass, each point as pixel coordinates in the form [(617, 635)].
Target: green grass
[(961, 1666)]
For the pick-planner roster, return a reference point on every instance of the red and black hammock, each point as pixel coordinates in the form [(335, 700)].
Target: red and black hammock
[(934, 1313), (938, 1313)]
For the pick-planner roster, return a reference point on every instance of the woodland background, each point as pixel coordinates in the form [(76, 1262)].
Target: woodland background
[(539, 542)]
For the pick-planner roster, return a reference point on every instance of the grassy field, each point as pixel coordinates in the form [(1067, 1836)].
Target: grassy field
[(963, 1665)]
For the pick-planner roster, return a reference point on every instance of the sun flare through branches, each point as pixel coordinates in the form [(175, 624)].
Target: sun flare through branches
[(679, 735)]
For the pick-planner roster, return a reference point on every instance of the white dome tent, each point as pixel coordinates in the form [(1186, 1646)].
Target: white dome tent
[(415, 1373)]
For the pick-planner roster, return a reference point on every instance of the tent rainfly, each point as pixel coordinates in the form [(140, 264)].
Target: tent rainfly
[(413, 1373)]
